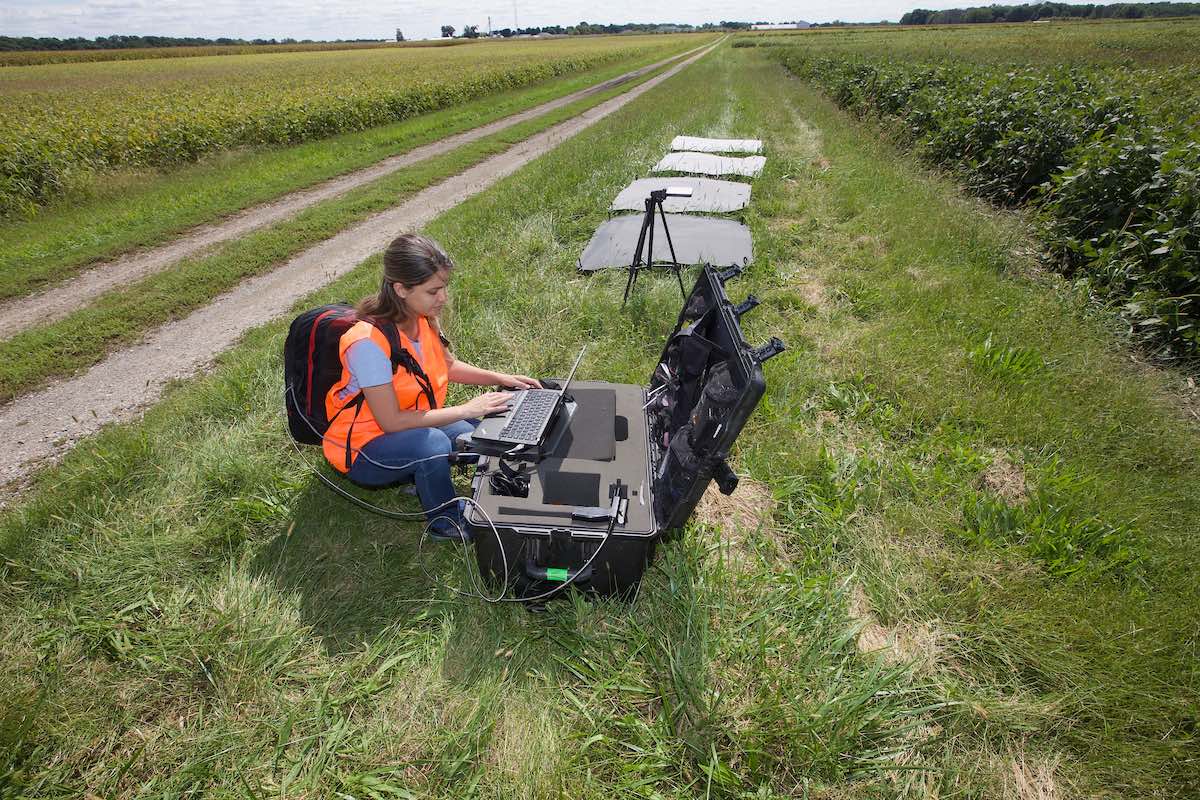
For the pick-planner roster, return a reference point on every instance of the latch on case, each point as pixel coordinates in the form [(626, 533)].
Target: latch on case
[(768, 350), (744, 306)]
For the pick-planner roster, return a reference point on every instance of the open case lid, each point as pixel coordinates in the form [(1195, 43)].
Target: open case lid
[(704, 388)]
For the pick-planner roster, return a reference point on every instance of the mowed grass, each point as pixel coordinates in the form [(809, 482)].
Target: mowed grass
[(185, 609), (36, 355), (135, 209)]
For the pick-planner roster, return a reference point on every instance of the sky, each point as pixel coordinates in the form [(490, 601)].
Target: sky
[(418, 19)]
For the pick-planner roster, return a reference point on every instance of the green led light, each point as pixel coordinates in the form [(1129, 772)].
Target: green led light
[(555, 574)]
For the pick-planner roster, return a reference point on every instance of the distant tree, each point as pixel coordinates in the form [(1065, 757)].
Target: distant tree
[(447, 31), (918, 16), (470, 32), (399, 35)]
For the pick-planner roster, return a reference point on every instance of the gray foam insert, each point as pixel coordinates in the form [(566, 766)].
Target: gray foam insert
[(591, 432), (700, 144), (697, 240), (708, 194), (709, 164), (557, 479)]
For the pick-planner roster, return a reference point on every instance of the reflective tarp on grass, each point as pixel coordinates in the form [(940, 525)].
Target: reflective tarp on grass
[(701, 145), (721, 242), (707, 195), (709, 164)]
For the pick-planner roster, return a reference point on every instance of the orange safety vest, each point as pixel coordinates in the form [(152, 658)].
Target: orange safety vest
[(352, 427)]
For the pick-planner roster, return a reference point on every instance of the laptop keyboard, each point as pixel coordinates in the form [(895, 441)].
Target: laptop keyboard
[(529, 417)]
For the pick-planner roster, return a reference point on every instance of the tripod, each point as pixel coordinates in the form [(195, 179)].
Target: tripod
[(654, 201)]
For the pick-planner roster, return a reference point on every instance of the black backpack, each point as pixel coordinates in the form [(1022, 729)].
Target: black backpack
[(311, 367)]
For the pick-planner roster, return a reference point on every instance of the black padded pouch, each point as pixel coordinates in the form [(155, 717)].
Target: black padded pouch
[(691, 353), (717, 399), (678, 474)]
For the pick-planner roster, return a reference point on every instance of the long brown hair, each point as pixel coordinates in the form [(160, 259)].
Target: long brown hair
[(410, 260)]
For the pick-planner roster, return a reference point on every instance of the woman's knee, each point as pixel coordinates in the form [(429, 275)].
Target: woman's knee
[(435, 443)]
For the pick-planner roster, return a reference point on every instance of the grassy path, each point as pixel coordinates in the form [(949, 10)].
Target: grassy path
[(972, 577)]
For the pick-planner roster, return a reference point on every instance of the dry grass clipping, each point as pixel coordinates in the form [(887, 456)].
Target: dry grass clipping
[(913, 644), (1005, 479), (1030, 781), (739, 516), (813, 292)]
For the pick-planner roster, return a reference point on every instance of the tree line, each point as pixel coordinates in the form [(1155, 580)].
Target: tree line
[(587, 28), (1036, 11)]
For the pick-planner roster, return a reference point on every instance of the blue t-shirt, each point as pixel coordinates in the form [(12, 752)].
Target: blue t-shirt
[(369, 366)]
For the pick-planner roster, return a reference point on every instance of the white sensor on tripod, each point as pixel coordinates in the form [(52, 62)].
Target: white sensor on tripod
[(679, 191)]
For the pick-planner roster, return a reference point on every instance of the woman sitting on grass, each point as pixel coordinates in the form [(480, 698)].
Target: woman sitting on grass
[(404, 419)]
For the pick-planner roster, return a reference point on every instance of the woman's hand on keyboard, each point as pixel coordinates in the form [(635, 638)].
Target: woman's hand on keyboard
[(486, 403)]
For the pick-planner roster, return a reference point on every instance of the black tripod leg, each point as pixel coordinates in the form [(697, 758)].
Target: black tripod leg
[(674, 260), (647, 224), (650, 254)]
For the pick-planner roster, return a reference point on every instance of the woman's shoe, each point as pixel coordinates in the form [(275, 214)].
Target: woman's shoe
[(450, 527)]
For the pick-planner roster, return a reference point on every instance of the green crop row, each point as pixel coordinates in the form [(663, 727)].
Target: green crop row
[(1109, 160), (67, 122)]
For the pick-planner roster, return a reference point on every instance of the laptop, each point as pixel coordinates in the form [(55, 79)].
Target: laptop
[(529, 416)]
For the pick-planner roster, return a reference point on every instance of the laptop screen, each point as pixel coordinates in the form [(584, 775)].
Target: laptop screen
[(575, 366)]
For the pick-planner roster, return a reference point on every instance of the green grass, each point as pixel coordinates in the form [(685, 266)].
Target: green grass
[(1061, 621), (186, 610), (139, 209), (36, 355)]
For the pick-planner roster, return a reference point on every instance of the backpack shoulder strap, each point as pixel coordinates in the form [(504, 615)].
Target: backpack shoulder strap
[(395, 346), (402, 359)]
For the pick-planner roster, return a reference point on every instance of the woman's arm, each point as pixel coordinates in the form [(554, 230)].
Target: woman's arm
[(462, 372), (391, 418)]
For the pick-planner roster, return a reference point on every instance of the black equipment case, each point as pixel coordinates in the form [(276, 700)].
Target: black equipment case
[(644, 453)]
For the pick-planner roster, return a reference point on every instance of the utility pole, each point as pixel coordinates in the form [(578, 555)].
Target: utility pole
[(489, 26), (516, 23)]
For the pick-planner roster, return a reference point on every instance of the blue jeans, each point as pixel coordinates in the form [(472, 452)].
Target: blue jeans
[(432, 476)]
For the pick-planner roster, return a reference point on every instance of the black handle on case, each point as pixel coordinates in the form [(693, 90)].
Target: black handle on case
[(726, 275), (744, 306), (768, 350), (726, 478)]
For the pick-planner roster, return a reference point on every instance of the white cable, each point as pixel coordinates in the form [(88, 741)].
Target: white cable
[(384, 512), (402, 515)]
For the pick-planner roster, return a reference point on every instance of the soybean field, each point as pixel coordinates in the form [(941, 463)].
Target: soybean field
[(67, 122), (18, 58), (1093, 126)]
